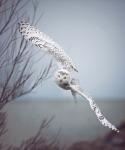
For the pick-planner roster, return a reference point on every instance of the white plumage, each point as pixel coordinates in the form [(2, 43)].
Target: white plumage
[(42, 40), (63, 76)]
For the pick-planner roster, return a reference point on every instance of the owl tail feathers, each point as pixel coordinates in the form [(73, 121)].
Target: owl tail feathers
[(75, 89)]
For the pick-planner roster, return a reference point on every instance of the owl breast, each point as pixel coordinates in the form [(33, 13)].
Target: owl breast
[(63, 79)]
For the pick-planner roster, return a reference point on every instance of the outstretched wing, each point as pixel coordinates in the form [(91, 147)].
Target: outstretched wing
[(95, 108), (42, 40)]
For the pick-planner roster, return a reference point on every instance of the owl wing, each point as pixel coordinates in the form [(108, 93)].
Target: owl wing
[(43, 41), (94, 107)]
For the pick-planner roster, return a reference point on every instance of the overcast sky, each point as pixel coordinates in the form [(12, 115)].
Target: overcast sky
[(92, 32)]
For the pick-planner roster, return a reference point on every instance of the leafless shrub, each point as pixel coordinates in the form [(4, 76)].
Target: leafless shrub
[(15, 54), (16, 74), (2, 123), (2, 126), (39, 142)]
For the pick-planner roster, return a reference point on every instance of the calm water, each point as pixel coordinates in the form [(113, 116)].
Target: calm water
[(75, 121)]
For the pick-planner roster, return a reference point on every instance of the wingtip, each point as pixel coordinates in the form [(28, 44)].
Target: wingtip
[(117, 130)]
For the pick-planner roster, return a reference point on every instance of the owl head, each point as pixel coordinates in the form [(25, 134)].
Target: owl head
[(63, 78)]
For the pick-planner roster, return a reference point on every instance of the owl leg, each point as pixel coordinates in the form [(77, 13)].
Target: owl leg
[(74, 95), (75, 83)]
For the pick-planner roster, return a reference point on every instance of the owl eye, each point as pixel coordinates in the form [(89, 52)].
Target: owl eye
[(64, 77)]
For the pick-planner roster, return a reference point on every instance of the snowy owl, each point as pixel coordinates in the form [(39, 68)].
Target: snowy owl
[(63, 76)]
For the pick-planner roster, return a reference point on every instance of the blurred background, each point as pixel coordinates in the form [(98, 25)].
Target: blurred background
[(92, 33)]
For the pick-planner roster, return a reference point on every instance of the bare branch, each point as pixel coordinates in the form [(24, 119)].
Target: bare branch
[(16, 56)]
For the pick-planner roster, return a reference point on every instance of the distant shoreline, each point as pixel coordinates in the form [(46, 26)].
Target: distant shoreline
[(76, 120), (67, 100)]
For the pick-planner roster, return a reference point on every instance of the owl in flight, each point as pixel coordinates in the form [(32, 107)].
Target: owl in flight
[(63, 76)]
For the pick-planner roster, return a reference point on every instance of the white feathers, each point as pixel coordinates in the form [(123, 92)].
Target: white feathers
[(95, 108), (62, 76), (65, 81), (42, 40)]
